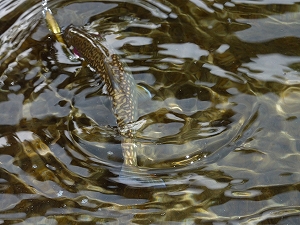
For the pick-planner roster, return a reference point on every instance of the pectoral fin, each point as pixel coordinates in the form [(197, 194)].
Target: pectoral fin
[(143, 93)]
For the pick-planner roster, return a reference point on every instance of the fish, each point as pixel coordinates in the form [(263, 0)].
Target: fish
[(122, 90), (120, 84)]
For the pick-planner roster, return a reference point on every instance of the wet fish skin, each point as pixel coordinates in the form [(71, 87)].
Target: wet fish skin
[(120, 84), (121, 88)]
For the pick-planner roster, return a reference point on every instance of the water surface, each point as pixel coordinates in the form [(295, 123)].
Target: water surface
[(222, 123)]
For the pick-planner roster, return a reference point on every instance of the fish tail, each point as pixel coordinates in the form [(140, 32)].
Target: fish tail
[(129, 152), (130, 173)]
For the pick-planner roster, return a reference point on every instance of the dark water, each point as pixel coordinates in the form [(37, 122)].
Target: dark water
[(222, 125)]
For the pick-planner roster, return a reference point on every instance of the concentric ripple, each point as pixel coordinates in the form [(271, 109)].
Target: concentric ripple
[(220, 127)]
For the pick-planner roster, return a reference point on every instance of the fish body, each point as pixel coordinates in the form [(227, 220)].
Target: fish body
[(121, 88), (120, 84)]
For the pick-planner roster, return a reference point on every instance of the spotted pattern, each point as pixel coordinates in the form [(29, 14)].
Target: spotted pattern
[(120, 84)]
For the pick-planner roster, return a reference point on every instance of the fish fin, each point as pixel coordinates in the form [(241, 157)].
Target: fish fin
[(77, 72), (84, 69), (143, 93), (84, 63)]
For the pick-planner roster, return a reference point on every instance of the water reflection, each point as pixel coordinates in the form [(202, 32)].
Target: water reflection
[(273, 67), (221, 125), (270, 28)]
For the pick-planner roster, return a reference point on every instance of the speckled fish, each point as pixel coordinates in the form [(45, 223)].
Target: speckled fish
[(120, 84), (121, 88)]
